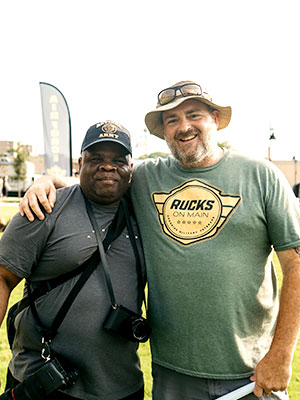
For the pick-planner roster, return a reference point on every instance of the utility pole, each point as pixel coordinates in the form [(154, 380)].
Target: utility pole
[(295, 170), (272, 137)]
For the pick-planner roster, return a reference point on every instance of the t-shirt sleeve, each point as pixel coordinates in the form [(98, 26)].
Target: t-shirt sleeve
[(22, 244), (283, 213)]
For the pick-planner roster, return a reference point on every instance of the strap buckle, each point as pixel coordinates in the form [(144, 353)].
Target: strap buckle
[(46, 351)]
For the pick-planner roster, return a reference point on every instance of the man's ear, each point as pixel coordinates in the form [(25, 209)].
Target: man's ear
[(216, 116), (79, 163), (131, 168)]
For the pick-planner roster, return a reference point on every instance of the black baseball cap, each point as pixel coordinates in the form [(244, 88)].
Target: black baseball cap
[(109, 132)]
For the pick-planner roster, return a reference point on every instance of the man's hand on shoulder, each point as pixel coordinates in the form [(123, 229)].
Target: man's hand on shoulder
[(41, 193)]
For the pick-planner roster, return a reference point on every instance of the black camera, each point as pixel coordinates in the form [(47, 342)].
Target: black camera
[(128, 324), (50, 377)]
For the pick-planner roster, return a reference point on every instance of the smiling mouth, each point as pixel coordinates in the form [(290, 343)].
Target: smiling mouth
[(106, 179), (188, 138)]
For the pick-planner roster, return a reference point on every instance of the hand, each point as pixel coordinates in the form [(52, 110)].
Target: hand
[(42, 192), (271, 374)]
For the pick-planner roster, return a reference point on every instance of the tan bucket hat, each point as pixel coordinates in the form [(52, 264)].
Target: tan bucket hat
[(153, 119)]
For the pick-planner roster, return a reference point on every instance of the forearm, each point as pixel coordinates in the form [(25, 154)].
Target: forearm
[(274, 371), (288, 323), (5, 293), (8, 281), (57, 182)]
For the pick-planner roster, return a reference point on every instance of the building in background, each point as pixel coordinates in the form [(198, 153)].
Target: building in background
[(290, 168)]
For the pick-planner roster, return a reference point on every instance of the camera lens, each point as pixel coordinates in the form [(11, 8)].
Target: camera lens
[(140, 330)]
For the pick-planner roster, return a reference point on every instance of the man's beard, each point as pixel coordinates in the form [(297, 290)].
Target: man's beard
[(190, 159)]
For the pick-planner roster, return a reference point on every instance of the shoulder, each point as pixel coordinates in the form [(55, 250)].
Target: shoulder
[(64, 196), (260, 172), (235, 157)]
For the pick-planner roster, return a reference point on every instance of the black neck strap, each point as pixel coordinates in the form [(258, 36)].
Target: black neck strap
[(101, 251), (124, 215), (49, 333)]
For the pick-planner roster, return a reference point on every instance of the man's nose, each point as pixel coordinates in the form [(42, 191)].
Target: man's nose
[(184, 125), (107, 166)]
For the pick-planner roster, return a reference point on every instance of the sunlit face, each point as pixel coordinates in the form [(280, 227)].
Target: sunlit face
[(190, 132), (105, 172)]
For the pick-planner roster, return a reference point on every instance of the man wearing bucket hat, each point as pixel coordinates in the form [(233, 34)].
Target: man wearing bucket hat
[(209, 219), (212, 287), (58, 253)]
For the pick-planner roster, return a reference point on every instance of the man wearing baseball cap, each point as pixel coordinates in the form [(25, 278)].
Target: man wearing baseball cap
[(108, 363), (210, 219)]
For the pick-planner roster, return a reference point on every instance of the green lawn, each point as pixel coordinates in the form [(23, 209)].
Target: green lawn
[(7, 212), (144, 351)]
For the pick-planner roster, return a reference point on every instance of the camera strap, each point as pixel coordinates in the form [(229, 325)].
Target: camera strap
[(49, 333), (115, 229), (132, 237), (123, 208)]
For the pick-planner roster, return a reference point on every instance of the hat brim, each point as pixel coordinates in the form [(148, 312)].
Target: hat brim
[(153, 119), (108, 140)]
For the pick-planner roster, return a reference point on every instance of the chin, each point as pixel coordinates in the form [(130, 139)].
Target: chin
[(190, 159)]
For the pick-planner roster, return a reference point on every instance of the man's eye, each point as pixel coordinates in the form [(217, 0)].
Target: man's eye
[(120, 161), (171, 121), (96, 159)]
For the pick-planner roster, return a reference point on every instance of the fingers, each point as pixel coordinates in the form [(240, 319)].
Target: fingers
[(33, 203), (263, 388), (41, 196), (24, 209), (52, 197), (34, 199), (258, 391)]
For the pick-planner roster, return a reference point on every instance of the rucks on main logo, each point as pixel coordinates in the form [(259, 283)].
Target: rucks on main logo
[(192, 204), (194, 211)]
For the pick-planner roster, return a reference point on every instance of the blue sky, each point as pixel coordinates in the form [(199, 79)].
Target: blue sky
[(111, 58)]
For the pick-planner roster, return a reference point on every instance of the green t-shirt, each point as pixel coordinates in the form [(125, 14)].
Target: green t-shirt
[(208, 235)]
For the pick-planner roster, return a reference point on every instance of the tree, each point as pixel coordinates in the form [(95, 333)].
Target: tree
[(224, 145), (20, 156), (154, 155)]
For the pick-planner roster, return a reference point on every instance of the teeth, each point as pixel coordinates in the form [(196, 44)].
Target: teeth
[(188, 138)]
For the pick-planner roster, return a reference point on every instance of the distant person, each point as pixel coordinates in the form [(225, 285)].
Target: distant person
[(210, 219), (296, 189), (1, 187), (107, 362), (5, 187)]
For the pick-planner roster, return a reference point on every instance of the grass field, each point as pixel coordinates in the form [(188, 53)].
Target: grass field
[(144, 351), (7, 212)]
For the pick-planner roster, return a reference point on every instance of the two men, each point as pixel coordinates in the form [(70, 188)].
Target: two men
[(108, 364), (209, 220)]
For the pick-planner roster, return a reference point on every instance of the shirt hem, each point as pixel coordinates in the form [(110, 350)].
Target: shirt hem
[(114, 396), (199, 374)]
